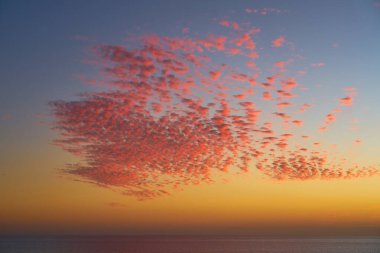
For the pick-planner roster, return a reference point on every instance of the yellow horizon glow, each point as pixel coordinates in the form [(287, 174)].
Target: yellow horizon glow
[(50, 203)]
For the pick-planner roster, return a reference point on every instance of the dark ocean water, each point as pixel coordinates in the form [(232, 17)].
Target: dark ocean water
[(145, 244)]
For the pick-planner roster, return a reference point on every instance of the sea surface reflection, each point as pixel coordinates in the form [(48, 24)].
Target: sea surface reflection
[(187, 244)]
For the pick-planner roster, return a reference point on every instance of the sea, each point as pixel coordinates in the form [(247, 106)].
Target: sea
[(186, 244)]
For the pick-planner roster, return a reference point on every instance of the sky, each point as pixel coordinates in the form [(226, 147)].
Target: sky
[(190, 117)]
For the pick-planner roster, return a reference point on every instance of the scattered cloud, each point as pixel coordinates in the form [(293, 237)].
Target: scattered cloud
[(278, 42), (172, 115)]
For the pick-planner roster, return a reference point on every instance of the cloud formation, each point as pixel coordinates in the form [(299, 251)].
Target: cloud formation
[(278, 42), (174, 113)]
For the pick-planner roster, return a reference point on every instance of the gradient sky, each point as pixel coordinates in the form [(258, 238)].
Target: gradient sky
[(323, 58)]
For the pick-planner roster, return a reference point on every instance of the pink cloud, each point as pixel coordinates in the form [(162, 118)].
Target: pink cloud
[(267, 95), (214, 42), (280, 64), (215, 74), (224, 23), (166, 118), (234, 51), (350, 91), (284, 104), (346, 101), (235, 26), (282, 115), (278, 42), (298, 122), (304, 107), (330, 118)]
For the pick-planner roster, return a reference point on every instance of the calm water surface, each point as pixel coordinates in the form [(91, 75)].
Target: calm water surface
[(144, 244)]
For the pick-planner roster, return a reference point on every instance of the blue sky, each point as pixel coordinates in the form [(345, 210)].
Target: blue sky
[(44, 46)]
